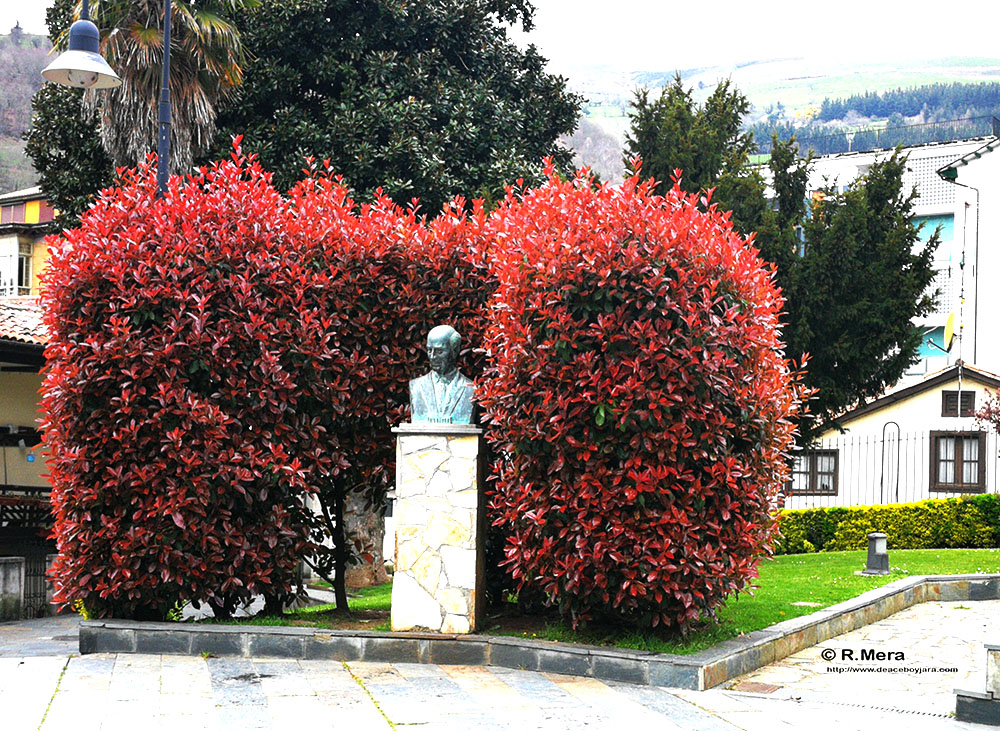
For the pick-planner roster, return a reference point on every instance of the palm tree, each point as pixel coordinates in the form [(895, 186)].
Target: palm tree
[(206, 60)]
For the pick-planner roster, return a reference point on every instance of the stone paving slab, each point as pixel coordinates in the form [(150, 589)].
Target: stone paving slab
[(226, 694), (107, 691), (931, 637)]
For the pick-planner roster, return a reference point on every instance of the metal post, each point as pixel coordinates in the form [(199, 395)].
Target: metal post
[(163, 142), (878, 555)]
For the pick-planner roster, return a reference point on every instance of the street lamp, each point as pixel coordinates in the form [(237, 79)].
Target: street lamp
[(83, 67)]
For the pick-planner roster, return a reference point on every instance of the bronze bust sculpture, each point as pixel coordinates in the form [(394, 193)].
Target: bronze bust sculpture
[(444, 395)]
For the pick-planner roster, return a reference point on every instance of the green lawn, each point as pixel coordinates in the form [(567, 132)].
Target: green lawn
[(364, 603), (826, 578), (819, 578)]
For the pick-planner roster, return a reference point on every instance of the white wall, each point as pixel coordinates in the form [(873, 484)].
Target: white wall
[(982, 347), (885, 456), (19, 406)]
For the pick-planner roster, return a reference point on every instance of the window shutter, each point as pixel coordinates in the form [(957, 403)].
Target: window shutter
[(949, 403), (968, 403)]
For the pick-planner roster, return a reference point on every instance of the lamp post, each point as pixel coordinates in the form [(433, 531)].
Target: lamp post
[(83, 67), (163, 138)]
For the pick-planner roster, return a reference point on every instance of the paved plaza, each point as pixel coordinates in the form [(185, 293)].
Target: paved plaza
[(45, 685)]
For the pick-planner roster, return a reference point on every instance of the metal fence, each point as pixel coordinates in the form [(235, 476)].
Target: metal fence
[(891, 467), (25, 520)]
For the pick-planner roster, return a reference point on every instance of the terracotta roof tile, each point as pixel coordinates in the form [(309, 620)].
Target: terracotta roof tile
[(21, 320)]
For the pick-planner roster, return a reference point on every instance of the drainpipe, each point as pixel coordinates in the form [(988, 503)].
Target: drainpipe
[(950, 175)]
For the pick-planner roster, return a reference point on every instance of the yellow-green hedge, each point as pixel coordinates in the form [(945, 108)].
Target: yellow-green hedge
[(966, 522)]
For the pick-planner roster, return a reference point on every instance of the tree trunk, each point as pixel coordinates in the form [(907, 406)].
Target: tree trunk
[(340, 553)]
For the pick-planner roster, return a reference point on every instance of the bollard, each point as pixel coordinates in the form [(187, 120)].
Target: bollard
[(878, 556)]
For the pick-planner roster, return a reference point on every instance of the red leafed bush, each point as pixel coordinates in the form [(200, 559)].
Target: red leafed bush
[(384, 277), (180, 451), (640, 399)]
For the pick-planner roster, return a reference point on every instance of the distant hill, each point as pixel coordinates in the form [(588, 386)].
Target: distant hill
[(788, 94), (930, 113), (22, 58)]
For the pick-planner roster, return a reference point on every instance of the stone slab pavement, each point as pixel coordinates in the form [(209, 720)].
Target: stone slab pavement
[(45, 686)]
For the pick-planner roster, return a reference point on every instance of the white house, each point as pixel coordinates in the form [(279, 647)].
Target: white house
[(917, 441), (958, 193), (921, 439)]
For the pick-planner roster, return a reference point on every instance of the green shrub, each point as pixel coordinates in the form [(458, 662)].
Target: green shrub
[(966, 522)]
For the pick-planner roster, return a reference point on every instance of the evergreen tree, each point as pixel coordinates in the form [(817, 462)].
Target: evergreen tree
[(425, 98), (706, 143), (862, 280), (850, 265)]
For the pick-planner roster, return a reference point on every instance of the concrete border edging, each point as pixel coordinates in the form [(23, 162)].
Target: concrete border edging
[(699, 671)]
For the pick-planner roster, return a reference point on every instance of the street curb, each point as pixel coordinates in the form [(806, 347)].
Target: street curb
[(699, 671)]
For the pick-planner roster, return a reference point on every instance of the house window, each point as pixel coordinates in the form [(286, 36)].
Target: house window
[(958, 461), (949, 403), (814, 473), (943, 225), (24, 269)]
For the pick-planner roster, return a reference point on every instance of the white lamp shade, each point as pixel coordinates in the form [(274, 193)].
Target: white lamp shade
[(82, 70)]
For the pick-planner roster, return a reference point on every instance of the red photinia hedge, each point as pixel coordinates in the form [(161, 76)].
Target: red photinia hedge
[(640, 399), (180, 454), (385, 277)]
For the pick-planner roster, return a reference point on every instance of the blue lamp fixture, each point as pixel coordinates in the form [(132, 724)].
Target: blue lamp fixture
[(82, 66)]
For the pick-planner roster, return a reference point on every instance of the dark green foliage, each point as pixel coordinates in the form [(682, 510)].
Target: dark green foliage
[(424, 99), (853, 295), (966, 522), (943, 100), (847, 267), (65, 150), (829, 140), (705, 142)]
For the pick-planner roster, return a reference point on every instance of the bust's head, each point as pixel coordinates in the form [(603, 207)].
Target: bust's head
[(443, 345)]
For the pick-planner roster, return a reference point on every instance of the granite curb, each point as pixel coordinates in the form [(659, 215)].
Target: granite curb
[(699, 671)]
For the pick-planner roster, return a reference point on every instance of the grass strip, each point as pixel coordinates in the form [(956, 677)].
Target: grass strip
[(56, 690), (360, 682), (788, 586)]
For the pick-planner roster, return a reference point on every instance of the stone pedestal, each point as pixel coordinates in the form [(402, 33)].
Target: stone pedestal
[(439, 513), (11, 587)]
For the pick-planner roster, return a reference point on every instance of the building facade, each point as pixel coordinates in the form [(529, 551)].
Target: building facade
[(25, 218), (921, 439), (958, 194), (916, 442)]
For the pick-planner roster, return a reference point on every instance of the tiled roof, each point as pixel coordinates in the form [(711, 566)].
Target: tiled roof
[(21, 320), (933, 380), (20, 195)]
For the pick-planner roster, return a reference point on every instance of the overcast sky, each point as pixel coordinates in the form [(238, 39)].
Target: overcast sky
[(676, 34)]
